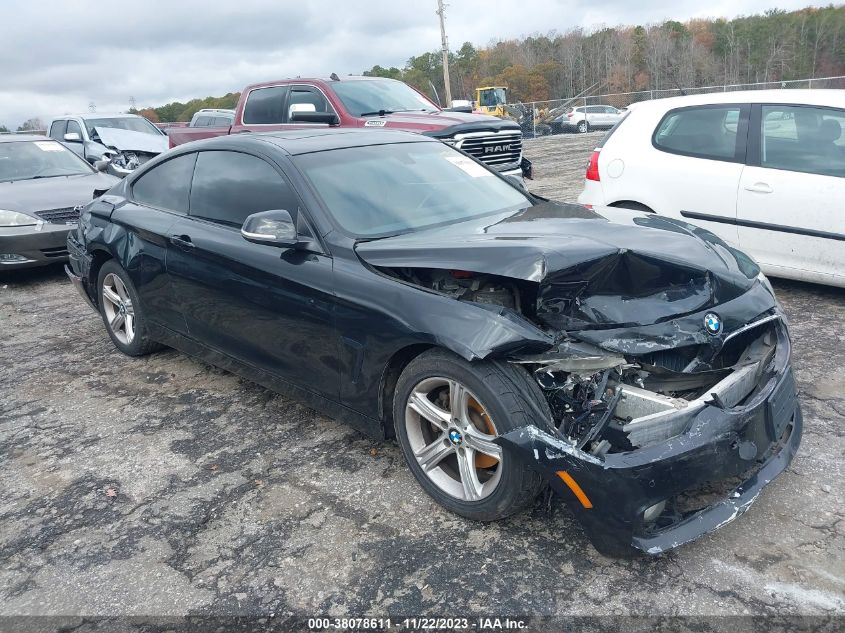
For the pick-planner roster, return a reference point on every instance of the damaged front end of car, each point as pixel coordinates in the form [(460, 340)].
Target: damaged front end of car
[(668, 380)]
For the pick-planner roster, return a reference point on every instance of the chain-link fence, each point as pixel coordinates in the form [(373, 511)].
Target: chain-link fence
[(590, 112)]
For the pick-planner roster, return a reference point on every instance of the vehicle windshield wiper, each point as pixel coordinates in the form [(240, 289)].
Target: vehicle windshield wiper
[(379, 113)]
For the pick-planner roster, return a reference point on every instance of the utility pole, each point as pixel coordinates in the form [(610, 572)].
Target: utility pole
[(440, 12)]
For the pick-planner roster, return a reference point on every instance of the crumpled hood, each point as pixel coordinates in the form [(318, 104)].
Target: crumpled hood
[(594, 269), (61, 192), (129, 140)]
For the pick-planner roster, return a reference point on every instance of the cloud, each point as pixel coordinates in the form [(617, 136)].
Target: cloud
[(67, 55)]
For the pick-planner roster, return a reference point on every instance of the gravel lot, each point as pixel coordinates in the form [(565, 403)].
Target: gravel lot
[(162, 486)]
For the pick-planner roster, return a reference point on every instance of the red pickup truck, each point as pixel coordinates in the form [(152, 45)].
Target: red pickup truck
[(368, 102)]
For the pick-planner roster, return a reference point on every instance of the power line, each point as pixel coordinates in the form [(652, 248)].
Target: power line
[(441, 12)]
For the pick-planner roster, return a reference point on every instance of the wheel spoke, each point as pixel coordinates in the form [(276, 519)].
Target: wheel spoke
[(428, 410), (129, 326), (469, 476), (121, 289), (482, 443), (458, 401), (432, 454), (116, 322), (111, 295)]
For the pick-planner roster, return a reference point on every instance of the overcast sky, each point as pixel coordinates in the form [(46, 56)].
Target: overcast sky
[(56, 57)]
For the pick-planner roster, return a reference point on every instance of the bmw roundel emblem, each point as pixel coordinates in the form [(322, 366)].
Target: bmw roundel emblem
[(713, 323), (455, 437)]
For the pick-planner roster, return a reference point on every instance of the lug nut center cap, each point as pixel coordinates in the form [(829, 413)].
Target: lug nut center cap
[(455, 437)]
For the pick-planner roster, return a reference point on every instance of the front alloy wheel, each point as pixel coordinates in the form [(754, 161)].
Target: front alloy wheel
[(448, 413), (451, 435)]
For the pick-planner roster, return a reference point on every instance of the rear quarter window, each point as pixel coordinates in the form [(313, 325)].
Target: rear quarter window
[(702, 132), (167, 185), (265, 106)]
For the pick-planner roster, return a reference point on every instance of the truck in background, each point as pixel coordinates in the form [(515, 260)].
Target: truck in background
[(368, 102)]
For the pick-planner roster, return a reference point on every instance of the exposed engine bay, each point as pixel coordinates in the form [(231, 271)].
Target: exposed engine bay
[(604, 402)]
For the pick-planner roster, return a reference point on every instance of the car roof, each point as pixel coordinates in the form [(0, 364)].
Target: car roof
[(10, 138), (96, 115), (323, 80), (305, 141), (820, 97)]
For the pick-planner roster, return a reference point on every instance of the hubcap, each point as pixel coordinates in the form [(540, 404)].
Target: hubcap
[(451, 436), (117, 306)]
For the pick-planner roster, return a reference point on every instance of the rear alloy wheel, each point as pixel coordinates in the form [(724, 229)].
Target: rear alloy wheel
[(583, 127), (447, 414), (122, 312), (117, 309)]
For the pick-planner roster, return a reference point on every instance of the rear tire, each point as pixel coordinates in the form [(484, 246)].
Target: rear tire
[(122, 312), (583, 127), (450, 453)]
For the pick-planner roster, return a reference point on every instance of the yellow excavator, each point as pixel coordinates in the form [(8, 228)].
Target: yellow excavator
[(491, 100)]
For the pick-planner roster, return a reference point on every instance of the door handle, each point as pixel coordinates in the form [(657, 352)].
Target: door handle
[(182, 241), (759, 187)]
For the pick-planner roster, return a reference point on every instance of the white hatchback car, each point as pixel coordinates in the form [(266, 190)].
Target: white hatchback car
[(764, 170)]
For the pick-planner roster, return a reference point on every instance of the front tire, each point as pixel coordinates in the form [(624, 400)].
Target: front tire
[(122, 312), (447, 412)]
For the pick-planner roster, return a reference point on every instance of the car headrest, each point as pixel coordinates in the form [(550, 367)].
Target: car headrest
[(830, 130)]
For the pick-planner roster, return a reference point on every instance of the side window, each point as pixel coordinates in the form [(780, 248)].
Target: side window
[(803, 138), (203, 121), (703, 132), (167, 185), (57, 129), (73, 126), (229, 186), (306, 99), (222, 121), (264, 105)]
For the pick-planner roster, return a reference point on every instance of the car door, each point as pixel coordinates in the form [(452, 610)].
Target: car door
[(269, 307), (694, 169), (156, 201), (790, 208)]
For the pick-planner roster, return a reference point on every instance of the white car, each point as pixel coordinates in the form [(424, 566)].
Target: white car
[(764, 170), (585, 118)]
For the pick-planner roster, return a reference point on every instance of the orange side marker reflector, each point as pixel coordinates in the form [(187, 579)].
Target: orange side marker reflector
[(575, 488)]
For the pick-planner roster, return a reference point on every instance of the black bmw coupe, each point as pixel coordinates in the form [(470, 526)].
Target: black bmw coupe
[(506, 342)]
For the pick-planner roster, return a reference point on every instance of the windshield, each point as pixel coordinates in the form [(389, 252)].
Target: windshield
[(131, 123), (382, 190), (371, 97), (25, 160), (492, 97)]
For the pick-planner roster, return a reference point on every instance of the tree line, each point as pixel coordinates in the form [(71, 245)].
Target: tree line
[(774, 46)]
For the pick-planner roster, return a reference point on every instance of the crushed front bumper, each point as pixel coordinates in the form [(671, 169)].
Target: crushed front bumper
[(737, 450)]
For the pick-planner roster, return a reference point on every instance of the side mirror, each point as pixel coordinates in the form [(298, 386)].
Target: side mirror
[(329, 118), (73, 137), (271, 228), (101, 165)]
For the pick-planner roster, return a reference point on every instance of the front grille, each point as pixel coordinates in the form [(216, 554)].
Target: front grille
[(493, 148), (56, 251), (67, 215)]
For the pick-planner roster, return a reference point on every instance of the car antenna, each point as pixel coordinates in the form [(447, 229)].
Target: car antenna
[(334, 77)]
